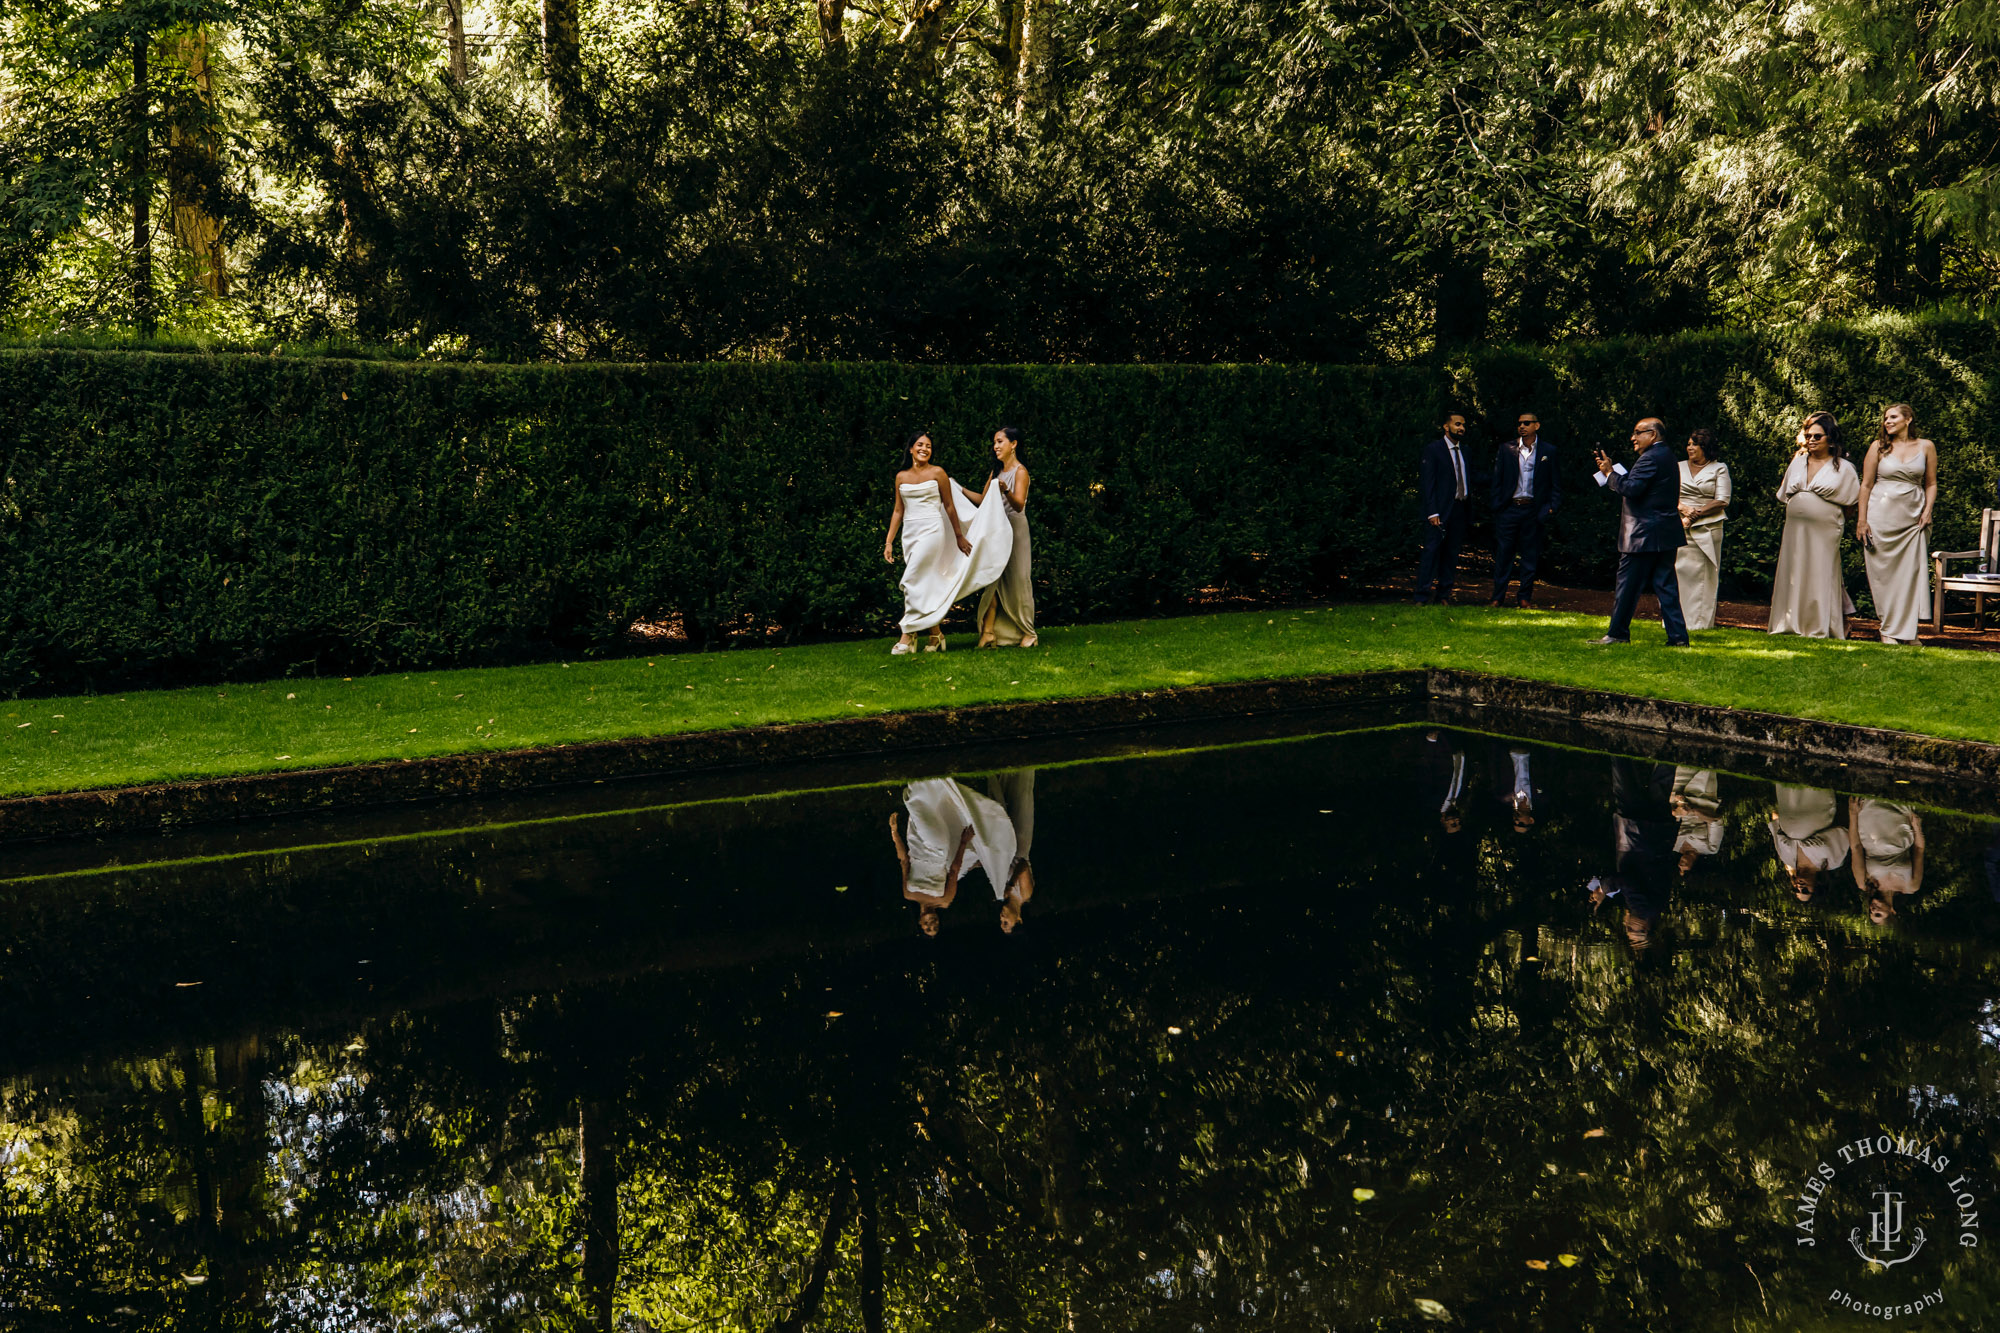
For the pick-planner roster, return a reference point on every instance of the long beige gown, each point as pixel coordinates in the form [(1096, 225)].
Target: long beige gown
[(1807, 595), (1899, 564), (1699, 563), (1013, 590), (1889, 842), (1805, 827)]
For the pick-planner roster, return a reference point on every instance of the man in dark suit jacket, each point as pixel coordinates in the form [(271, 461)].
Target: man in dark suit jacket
[(1649, 532), (1444, 485), (1643, 831), (1525, 493)]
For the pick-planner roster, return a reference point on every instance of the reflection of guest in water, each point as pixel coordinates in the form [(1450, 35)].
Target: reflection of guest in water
[(952, 829), (1697, 804), (1515, 786), (1888, 846), (1807, 833), (1452, 774), (1644, 830), (1015, 791)]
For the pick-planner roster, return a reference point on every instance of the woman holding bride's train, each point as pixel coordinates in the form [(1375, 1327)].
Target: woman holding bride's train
[(951, 549)]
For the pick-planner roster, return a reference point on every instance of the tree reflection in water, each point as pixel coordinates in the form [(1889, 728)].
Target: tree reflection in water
[(1260, 984)]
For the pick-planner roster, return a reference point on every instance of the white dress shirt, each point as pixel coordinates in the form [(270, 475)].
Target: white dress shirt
[(1525, 488)]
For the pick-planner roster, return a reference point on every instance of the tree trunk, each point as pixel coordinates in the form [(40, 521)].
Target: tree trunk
[(144, 314), (1461, 299), (807, 1308), (454, 40), (924, 33), (562, 59), (871, 1263), (598, 1183), (1036, 33), (832, 40), (195, 153)]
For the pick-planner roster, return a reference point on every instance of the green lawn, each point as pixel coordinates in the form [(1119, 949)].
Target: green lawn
[(121, 739)]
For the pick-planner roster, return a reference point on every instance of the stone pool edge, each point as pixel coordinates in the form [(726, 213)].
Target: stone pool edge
[(315, 791)]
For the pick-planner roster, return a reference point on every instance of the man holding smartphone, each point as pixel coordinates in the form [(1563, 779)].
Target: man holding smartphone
[(1649, 532)]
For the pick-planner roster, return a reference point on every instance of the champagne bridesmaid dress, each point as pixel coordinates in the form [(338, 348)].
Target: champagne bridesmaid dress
[(936, 574), (1806, 827), (1807, 595), (1899, 563), (1699, 563), (1889, 842), (1015, 620)]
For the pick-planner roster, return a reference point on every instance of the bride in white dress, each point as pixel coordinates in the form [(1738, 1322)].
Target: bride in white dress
[(952, 829), (950, 548)]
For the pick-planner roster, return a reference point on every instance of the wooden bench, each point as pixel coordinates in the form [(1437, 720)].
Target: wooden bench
[(1988, 556)]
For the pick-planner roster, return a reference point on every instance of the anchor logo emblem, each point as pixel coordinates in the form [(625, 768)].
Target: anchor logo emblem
[(1885, 1233)]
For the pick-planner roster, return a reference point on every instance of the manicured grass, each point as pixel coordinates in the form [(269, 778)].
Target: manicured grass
[(122, 739)]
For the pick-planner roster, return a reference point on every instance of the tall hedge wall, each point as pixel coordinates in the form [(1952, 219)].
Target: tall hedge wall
[(178, 517)]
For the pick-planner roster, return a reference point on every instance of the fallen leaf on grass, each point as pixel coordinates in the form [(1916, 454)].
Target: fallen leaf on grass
[(1593, 1133), (284, 756), (1363, 1195), (1430, 1308), (1539, 1265), (1568, 1260)]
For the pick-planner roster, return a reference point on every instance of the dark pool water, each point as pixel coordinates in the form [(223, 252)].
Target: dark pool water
[(1288, 1037)]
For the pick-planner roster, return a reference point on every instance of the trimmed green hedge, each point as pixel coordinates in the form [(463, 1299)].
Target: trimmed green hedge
[(180, 517), (1752, 389)]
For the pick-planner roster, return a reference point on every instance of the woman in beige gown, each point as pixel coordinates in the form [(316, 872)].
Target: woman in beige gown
[(1898, 492), (1705, 492), (1808, 836), (1007, 607), (1888, 841), (1807, 594)]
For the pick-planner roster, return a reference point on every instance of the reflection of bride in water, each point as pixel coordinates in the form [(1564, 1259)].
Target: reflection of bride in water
[(1808, 836), (953, 828), (1888, 843)]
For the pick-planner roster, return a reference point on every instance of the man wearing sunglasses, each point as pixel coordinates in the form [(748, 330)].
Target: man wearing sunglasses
[(1525, 492), (1649, 532)]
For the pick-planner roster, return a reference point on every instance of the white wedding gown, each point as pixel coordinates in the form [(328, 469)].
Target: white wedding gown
[(936, 574), (940, 809)]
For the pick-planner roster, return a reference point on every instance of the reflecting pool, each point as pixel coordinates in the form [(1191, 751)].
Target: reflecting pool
[(1394, 1029)]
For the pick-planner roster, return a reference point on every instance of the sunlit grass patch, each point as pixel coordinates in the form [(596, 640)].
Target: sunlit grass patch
[(153, 736)]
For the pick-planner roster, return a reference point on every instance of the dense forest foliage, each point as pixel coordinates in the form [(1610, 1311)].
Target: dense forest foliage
[(967, 180)]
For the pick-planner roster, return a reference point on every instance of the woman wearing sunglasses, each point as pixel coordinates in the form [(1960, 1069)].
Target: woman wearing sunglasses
[(1807, 595)]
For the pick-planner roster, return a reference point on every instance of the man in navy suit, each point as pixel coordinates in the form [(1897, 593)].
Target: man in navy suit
[(1525, 493), (1649, 532), (1444, 485)]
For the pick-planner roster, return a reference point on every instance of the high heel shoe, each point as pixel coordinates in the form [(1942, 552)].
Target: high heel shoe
[(1030, 641), (935, 644), (902, 648), (986, 640)]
